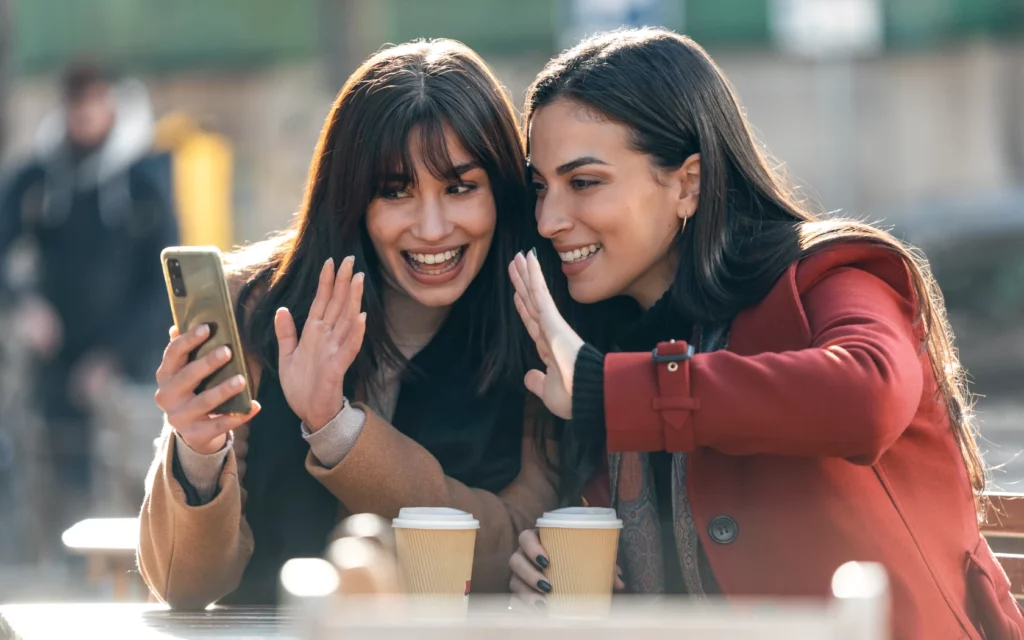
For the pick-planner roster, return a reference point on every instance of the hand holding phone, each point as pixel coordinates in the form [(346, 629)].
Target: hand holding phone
[(204, 385), (193, 415), (312, 367)]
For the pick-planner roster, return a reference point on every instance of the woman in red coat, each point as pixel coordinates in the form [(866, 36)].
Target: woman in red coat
[(776, 394)]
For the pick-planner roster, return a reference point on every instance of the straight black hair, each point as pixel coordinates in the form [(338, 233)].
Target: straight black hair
[(748, 227)]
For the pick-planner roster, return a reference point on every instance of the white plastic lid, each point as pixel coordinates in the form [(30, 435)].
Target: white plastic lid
[(580, 518), (434, 518)]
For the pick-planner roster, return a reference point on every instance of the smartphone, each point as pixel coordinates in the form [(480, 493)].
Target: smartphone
[(199, 295)]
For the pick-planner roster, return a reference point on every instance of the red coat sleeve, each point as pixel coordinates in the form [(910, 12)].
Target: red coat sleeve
[(850, 394)]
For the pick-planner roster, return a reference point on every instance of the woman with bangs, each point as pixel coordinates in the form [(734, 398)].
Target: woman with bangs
[(390, 292)]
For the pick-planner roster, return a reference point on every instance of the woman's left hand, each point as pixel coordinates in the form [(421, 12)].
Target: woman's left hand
[(557, 344)]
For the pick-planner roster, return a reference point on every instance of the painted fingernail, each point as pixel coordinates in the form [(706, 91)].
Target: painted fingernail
[(223, 353), (544, 586), (540, 604), (542, 562), (202, 330), (533, 251), (237, 382)]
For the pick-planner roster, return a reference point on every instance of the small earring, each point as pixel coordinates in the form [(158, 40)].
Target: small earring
[(683, 229)]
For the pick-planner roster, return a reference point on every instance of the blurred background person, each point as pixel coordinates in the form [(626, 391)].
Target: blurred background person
[(95, 204)]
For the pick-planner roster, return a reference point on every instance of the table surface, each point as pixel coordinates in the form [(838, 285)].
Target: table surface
[(140, 621)]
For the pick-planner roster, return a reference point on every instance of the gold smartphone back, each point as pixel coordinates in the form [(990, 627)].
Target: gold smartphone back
[(199, 294)]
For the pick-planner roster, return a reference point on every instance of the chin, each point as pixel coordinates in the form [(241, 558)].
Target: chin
[(589, 292), (435, 296)]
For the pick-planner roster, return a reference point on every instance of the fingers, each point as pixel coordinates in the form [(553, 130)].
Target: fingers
[(339, 297), (520, 274), (529, 543), (287, 335), (323, 291), (543, 303), (207, 429), (353, 340), (531, 577), (532, 328), (620, 584), (345, 321), (181, 387), (176, 353), (202, 405), (173, 332), (534, 381)]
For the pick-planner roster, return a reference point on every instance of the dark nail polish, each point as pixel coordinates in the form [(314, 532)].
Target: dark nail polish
[(534, 252), (544, 586), (540, 604), (542, 562)]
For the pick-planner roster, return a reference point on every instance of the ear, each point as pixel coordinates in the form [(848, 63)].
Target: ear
[(688, 177)]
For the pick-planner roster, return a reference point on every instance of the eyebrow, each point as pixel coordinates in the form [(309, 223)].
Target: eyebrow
[(582, 161)]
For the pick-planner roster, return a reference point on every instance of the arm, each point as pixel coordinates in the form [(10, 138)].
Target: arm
[(136, 337), (191, 554), (11, 194), (386, 470), (849, 394)]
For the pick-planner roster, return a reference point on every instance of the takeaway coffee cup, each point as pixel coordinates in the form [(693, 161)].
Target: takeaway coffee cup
[(582, 544), (435, 550)]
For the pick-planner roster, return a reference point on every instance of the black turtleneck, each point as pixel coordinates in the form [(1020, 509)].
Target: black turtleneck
[(660, 323)]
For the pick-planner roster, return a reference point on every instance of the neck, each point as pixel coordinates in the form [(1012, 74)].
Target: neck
[(410, 324), (652, 285)]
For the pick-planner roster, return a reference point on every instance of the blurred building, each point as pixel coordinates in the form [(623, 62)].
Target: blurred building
[(939, 110)]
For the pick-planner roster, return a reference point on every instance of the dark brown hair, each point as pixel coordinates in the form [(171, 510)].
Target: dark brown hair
[(748, 227), (421, 89)]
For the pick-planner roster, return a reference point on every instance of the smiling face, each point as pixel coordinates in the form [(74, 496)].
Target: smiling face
[(611, 214), (432, 234)]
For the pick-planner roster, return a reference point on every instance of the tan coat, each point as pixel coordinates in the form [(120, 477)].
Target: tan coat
[(193, 556)]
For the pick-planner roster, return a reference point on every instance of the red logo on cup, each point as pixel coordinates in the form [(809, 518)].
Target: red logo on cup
[(467, 587)]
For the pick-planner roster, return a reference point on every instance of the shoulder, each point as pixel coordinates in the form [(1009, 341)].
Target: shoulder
[(830, 273), (869, 261)]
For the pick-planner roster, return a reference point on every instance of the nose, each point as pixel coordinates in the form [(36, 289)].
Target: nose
[(552, 217), (433, 224)]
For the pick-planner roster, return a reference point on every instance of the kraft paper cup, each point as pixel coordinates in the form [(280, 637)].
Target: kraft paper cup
[(435, 553), (582, 545)]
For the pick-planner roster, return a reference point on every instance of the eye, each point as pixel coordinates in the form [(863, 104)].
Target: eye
[(460, 189), (582, 183), (393, 193), (539, 187)]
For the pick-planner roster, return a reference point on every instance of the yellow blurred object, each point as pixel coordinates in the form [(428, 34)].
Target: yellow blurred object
[(203, 165)]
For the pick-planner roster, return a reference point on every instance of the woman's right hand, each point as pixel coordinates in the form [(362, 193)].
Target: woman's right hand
[(188, 413), (528, 583)]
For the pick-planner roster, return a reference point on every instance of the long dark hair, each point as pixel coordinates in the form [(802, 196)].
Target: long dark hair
[(419, 88), (748, 227)]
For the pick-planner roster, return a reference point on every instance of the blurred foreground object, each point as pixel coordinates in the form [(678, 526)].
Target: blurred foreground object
[(858, 610), (109, 546), (203, 180)]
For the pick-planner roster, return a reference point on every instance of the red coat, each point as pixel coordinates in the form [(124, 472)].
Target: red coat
[(818, 433)]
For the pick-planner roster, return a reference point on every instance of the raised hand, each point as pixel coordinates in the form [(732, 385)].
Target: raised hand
[(557, 344), (312, 368)]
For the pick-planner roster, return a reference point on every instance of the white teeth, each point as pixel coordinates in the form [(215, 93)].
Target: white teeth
[(420, 260), (579, 254)]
